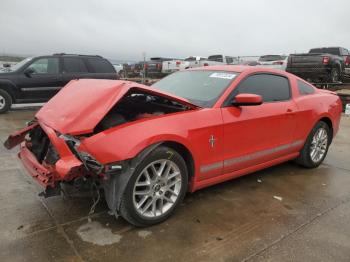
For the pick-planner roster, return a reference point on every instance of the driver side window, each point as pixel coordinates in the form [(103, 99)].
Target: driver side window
[(270, 87), (45, 66)]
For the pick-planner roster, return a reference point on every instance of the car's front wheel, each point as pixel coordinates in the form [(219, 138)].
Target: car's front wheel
[(155, 189), (316, 146)]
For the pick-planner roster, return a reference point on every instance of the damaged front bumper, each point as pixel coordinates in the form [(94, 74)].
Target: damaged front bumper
[(46, 174)]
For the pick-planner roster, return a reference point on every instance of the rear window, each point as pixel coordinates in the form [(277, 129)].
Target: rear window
[(305, 89), (74, 65), (217, 58), (267, 58), (325, 50), (100, 65)]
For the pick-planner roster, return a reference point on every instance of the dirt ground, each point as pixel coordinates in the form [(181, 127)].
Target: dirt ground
[(284, 213)]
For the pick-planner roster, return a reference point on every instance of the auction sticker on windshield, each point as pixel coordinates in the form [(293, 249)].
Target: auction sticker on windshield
[(222, 75)]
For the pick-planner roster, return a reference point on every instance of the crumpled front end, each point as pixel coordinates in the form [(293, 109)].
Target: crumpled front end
[(46, 156)]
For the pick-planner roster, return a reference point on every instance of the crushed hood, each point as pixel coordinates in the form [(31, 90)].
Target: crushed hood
[(82, 104)]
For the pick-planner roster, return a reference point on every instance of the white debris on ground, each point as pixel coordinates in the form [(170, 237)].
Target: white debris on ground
[(278, 198), (95, 233), (259, 181), (144, 233)]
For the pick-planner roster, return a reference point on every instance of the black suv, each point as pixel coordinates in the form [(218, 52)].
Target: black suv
[(37, 79)]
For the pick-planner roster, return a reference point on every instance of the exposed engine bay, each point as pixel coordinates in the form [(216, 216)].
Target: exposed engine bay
[(136, 105)]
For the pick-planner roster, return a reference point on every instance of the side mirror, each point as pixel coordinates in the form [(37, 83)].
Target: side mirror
[(247, 100), (29, 71)]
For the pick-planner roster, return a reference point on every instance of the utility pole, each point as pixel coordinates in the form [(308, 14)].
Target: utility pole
[(144, 67)]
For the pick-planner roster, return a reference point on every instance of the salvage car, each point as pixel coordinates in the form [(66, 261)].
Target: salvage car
[(37, 79), (273, 61), (148, 146)]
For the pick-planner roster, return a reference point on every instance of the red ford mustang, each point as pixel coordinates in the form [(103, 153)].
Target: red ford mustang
[(147, 146)]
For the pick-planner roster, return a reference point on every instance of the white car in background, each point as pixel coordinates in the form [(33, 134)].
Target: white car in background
[(179, 64), (118, 67), (273, 61)]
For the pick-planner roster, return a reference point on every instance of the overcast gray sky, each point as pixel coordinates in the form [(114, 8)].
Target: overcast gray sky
[(175, 28)]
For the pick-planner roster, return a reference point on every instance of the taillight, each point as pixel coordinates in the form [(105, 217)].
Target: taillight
[(347, 61), (278, 63), (178, 62), (205, 64), (325, 60)]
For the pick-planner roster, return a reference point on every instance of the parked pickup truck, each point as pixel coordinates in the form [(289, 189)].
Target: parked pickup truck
[(326, 64), (220, 60)]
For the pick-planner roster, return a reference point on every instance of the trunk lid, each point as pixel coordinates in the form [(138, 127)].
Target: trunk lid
[(82, 104)]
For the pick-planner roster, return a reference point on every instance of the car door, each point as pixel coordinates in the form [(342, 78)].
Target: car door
[(260, 133), (74, 67), (40, 80)]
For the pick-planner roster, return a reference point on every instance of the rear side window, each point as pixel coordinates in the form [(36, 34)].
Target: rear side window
[(99, 65), (74, 65), (272, 88), (305, 89)]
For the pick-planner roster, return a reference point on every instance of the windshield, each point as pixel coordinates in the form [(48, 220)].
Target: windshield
[(202, 88), (19, 64)]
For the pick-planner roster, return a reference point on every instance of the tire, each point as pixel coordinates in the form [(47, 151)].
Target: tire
[(5, 101), (334, 76), (305, 158), (146, 201)]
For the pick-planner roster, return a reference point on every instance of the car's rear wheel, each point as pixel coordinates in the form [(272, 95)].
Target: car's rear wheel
[(5, 101), (155, 189), (316, 146)]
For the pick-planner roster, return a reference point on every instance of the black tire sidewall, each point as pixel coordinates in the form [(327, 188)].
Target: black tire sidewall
[(128, 209), (8, 101)]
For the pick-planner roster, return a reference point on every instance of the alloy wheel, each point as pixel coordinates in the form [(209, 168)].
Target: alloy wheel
[(319, 145), (157, 188), (2, 102)]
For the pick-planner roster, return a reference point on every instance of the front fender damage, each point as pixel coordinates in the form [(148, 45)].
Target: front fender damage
[(114, 184)]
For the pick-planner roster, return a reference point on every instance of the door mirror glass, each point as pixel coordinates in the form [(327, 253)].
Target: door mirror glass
[(247, 100)]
